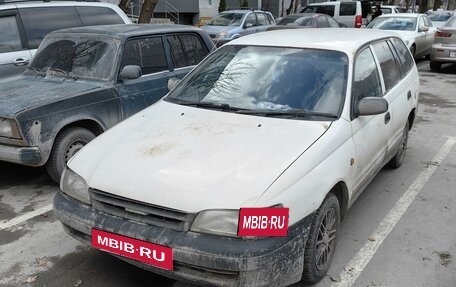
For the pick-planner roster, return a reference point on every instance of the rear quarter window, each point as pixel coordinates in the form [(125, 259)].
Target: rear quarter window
[(347, 9), (323, 9), (40, 21), (91, 16)]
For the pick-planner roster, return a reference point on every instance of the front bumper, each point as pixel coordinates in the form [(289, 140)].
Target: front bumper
[(441, 53), (21, 155), (200, 258)]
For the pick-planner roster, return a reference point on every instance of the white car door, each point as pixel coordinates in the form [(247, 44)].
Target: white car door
[(369, 132), (398, 94)]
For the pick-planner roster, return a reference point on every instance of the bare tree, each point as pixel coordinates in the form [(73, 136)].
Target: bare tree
[(451, 5), (125, 6), (437, 4), (147, 10), (423, 6)]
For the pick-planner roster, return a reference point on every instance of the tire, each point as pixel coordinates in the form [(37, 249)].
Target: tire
[(435, 66), (398, 159), (67, 143), (316, 264), (413, 51)]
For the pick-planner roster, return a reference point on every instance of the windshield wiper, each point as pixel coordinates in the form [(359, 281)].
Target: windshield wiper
[(290, 113), (37, 71), (209, 105), (62, 71)]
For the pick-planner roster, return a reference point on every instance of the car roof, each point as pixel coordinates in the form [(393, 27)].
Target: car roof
[(36, 4), (299, 15), (347, 40), (129, 30), (242, 11)]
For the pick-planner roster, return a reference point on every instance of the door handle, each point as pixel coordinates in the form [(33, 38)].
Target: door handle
[(21, 61), (387, 117), (409, 95)]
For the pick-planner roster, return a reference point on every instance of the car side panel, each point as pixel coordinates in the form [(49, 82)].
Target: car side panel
[(40, 125), (303, 186)]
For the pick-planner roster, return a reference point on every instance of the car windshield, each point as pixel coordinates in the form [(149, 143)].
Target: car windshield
[(393, 23), (439, 17), (76, 56), (296, 20), (268, 81), (227, 19)]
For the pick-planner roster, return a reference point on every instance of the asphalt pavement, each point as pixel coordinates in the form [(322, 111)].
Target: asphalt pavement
[(400, 232)]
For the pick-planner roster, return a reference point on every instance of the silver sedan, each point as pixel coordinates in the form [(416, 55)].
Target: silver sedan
[(444, 47), (416, 30)]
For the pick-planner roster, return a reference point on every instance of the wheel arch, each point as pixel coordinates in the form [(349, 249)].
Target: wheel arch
[(411, 118), (340, 190)]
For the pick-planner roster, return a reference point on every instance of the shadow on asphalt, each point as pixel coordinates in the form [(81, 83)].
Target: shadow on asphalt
[(13, 174)]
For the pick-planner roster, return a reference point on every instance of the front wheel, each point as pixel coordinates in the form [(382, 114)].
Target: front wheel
[(67, 143), (321, 244)]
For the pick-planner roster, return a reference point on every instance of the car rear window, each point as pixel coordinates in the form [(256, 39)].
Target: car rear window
[(451, 23), (296, 20), (323, 9), (40, 21), (347, 9), (91, 16)]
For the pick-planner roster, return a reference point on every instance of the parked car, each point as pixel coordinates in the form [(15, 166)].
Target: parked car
[(389, 9), (355, 14), (279, 119), (233, 24), (305, 20), (416, 30), (85, 80), (24, 25), (439, 17), (444, 46)]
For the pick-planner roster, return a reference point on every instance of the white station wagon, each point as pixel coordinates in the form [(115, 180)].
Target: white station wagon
[(297, 119)]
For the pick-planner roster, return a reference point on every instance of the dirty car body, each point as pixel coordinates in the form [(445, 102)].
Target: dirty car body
[(268, 120), (76, 81)]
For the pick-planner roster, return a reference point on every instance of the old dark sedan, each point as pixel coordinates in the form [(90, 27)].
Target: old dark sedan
[(306, 20), (83, 81)]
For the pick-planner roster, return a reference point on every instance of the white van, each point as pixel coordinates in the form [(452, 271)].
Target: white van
[(355, 14)]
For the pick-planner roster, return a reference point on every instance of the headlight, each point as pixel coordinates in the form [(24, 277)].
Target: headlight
[(223, 35), (74, 186), (8, 129), (221, 222)]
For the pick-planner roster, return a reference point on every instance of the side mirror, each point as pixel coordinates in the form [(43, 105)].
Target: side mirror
[(423, 29), (172, 82), (248, 25), (130, 72), (369, 106)]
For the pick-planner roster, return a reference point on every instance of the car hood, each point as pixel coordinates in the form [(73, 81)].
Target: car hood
[(26, 92), (192, 159)]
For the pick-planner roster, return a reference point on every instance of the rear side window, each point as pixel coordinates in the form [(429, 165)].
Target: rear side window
[(262, 19), (148, 53), (366, 81), (323, 9), (347, 9), (91, 16), (40, 21), (390, 70), (10, 40), (270, 19), (186, 50), (404, 55)]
